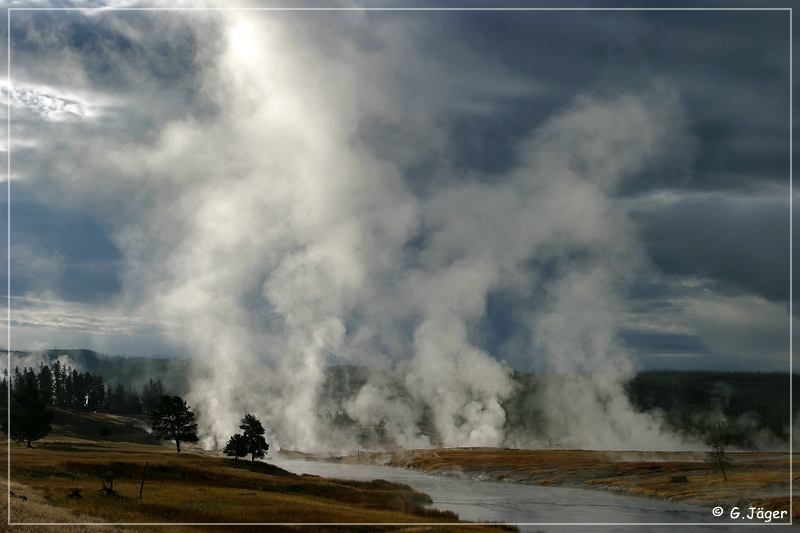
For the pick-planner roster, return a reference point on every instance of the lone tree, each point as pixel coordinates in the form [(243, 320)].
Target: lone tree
[(236, 446), (254, 436), (30, 417), (717, 457), (173, 420), (104, 430)]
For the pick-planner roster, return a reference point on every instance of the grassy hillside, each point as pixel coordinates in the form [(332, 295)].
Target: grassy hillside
[(86, 426), (190, 487)]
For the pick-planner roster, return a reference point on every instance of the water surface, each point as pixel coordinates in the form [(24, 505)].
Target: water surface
[(540, 507)]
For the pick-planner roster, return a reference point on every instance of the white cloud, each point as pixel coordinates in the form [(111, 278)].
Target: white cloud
[(40, 321), (53, 104)]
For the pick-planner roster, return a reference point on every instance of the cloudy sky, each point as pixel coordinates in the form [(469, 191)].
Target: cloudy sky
[(547, 189)]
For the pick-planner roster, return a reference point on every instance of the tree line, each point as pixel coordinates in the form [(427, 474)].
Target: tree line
[(34, 393), (62, 386)]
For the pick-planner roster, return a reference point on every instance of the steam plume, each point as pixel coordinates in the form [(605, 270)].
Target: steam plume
[(279, 237)]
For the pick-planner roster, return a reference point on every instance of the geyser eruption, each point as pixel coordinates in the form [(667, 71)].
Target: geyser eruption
[(275, 238), (283, 232)]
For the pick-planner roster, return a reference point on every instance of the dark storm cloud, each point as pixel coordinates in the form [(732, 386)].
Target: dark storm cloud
[(707, 362), (731, 68), (743, 243), (563, 53), (732, 72), (76, 259), (120, 51), (663, 343)]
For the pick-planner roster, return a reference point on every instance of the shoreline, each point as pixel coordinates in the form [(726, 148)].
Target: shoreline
[(755, 479)]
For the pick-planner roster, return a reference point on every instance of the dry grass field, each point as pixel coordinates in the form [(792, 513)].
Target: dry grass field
[(758, 479), (196, 487), (190, 487)]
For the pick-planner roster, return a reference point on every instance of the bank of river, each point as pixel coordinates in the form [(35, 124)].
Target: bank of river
[(753, 479), (534, 508)]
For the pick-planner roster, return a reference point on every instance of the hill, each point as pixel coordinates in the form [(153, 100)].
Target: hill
[(81, 425), (63, 477)]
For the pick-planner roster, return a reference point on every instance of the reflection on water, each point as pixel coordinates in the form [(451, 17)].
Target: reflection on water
[(542, 508)]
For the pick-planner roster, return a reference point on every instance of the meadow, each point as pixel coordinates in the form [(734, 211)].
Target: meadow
[(190, 487)]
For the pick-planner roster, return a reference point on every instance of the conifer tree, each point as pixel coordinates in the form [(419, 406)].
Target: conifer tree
[(46, 384), (236, 446), (254, 436), (4, 390), (30, 417), (173, 420)]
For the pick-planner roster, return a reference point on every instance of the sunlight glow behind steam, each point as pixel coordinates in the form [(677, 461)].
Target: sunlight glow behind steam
[(277, 239)]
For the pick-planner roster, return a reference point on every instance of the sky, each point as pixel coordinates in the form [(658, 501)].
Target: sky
[(444, 99), (543, 190)]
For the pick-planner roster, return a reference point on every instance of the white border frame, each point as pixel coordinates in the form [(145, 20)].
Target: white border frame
[(443, 524)]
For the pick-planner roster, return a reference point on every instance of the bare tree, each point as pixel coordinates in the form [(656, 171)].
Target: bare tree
[(717, 457)]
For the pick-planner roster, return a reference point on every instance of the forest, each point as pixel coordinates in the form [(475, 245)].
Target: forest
[(751, 409), (62, 386)]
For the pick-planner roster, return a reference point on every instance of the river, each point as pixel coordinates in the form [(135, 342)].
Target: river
[(533, 508)]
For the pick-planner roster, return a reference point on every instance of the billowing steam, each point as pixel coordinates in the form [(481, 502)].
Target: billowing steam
[(284, 235)]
